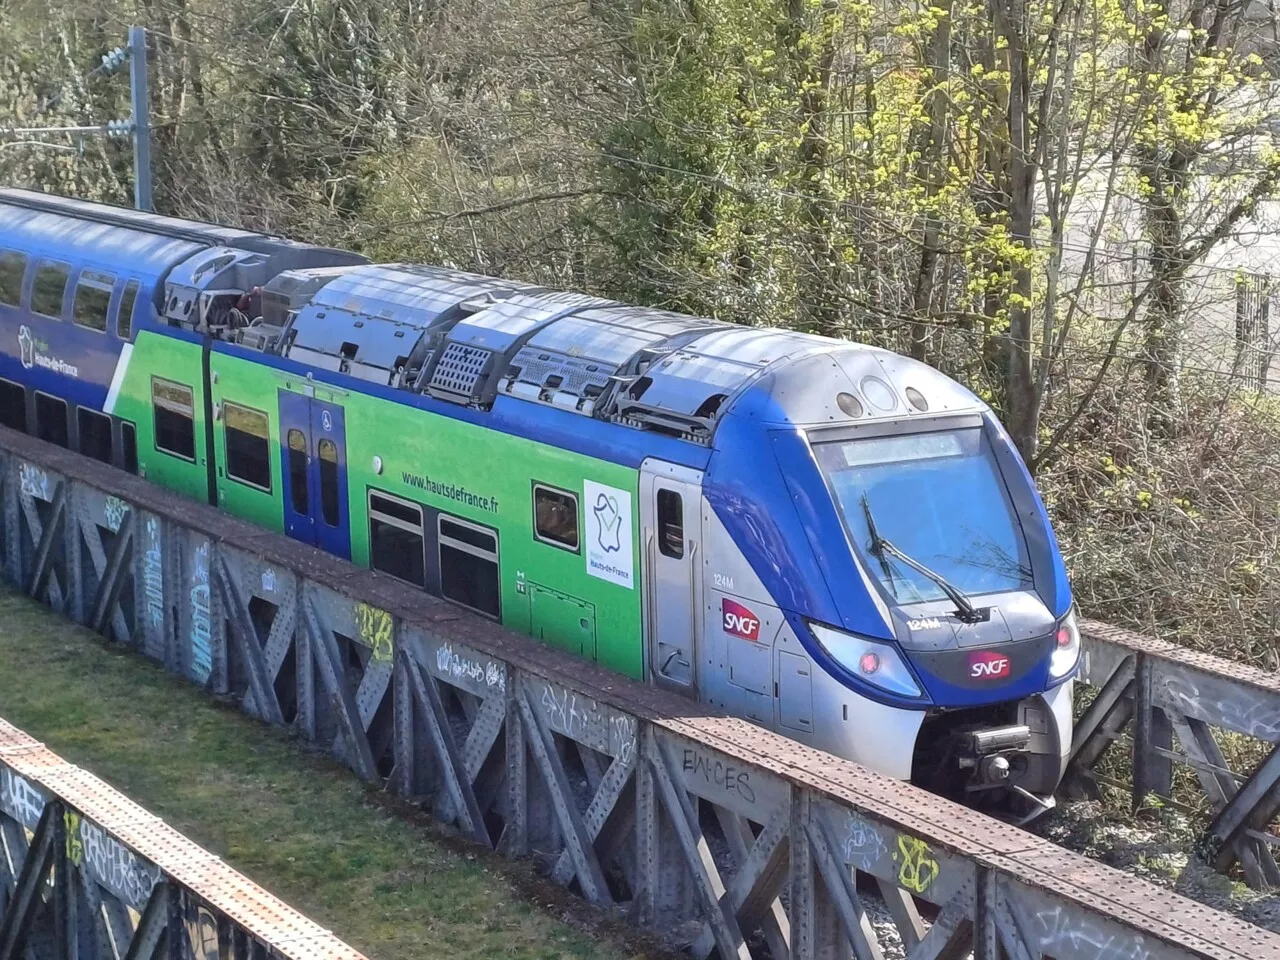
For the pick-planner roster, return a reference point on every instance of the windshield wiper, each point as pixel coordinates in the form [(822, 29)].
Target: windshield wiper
[(880, 546)]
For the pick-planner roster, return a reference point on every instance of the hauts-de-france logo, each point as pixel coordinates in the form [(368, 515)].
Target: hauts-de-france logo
[(27, 345), (608, 523), (34, 352), (608, 542)]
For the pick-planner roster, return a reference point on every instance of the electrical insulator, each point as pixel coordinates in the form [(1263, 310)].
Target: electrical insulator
[(119, 128), (113, 60)]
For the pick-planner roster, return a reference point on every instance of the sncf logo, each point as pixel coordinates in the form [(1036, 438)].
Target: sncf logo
[(739, 621), (988, 666)]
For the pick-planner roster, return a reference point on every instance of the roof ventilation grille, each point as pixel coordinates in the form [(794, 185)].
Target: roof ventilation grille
[(458, 372)]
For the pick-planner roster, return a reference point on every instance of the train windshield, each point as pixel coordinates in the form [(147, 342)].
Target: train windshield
[(940, 499)]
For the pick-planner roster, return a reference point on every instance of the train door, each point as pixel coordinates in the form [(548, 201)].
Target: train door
[(313, 450), (670, 521)]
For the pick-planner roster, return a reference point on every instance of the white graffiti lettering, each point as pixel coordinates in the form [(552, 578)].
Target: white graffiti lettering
[(113, 513), (116, 867), (563, 711), (1058, 927), (1252, 716), (863, 845), (453, 664), (33, 481), (201, 644), (19, 799), (153, 575), (623, 736)]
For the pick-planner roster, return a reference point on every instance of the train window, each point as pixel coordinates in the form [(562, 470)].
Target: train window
[(248, 439), (13, 405), (93, 297), (298, 471), (95, 434), (12, 267), (469, 565), (555, 517), (671, 524), (124, 313), (174, 418), (329, 506), (51, 419), (129, 446), (48, 289), (397, 544)]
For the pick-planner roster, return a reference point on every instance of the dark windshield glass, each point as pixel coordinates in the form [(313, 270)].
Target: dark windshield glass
[(939, 498)]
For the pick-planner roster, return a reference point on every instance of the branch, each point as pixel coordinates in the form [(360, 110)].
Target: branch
[(435, 216)]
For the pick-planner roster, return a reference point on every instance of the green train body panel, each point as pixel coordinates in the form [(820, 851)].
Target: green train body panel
[(461, 469), (179, 361)]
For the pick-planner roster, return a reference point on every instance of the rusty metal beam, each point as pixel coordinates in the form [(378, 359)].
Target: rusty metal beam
[(96, 860), (675, 775)]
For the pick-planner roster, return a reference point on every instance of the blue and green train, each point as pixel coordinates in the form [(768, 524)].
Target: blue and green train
[(832, 540)]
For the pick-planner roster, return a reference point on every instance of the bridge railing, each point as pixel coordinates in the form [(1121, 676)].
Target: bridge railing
[(1176, 707), (87, 873), (705, 828)]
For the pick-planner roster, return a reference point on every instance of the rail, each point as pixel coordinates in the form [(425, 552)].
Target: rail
[(720, 835), (87, 873)]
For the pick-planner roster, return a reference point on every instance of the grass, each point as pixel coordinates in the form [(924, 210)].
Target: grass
[(293, 821)]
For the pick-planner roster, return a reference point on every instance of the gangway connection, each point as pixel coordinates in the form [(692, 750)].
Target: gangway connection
[(703, 827)]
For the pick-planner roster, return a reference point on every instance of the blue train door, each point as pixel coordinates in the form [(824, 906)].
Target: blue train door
[(313, 451)]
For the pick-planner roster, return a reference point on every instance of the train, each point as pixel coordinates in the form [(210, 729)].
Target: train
[(831, 540)]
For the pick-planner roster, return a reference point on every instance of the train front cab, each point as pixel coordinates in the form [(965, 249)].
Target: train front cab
[(806, 629)]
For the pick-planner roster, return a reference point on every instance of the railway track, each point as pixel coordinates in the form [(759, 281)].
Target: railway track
[(721, 835)]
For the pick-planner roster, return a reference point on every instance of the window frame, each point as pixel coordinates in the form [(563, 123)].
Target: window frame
[(66, 421), (226, 445), (124, 318), (538, 535), (669, 493), (102, 282), (372, 514), (43, 264), (443, 539), (25, 260), (155, 433), (321, 460), (126, 445), (4, 381), (88, 413)]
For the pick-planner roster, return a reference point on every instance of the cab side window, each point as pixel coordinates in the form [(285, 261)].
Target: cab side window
[(555, 517)]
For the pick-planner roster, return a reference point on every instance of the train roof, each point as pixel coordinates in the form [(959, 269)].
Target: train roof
[(60, 237), (190, 231), (471, 339)]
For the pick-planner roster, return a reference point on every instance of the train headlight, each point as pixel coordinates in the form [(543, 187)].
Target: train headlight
[(1066, 648), (873, 662)]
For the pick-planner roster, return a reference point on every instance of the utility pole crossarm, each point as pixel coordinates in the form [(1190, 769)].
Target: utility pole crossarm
[(137, 126)]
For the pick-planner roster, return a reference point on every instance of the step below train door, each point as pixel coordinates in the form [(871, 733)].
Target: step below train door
[(671, 535), (313, 447)]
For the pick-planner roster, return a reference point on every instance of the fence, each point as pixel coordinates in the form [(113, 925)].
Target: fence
[(706, 828), (86, 873), (1161, 694)]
